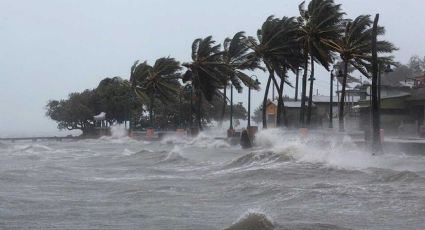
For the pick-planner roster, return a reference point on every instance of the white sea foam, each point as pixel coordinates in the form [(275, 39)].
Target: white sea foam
[(334, 150)]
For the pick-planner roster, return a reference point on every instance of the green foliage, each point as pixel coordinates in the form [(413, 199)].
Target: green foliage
[(237, 58), (159, 81), (207, 71), (279, 49), (321, 24), (354, 46), (281, 45), (76, 112), (417, 65), (115, 94), (277, 44)]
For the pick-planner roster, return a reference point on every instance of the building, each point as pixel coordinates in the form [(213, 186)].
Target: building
[(291, 112), (419, 81), (401, 108)]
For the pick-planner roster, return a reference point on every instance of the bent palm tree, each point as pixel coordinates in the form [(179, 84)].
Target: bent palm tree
[(354, 48), (159, 81), (236, 57), (277, 47), (320, 24), (206, 71)]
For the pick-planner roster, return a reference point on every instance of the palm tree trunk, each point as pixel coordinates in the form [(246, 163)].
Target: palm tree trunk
[(296, 84), (151, 111), (223, 109), (377, 145), (303, 93), (266, 93), (231, 106), (342, 102), (310, 98), (280, 106), (198, 114), (275, 85), (278, 109)]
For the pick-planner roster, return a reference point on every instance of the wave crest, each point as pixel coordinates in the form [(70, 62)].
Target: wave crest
[(252, 221), (258, 158), (395, 176)]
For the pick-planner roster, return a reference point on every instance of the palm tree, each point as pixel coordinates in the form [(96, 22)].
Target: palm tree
[(320, 24), (159, 81), (354, 48), (236, 56), (278, 48), (206, 71)]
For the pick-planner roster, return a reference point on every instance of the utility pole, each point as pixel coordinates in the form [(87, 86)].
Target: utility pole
[(376, 145), (231, 107), (379, 85), (249, 106), (331, 101)]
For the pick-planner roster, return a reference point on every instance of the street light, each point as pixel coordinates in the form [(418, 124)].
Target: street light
[(256, 82)]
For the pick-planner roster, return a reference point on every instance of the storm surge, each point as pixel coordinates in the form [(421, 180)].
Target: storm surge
[(322, 181)]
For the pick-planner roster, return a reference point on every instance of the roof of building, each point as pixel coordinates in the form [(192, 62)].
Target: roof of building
[(290, 104), (324, 99), (421, 77), (295, 104)]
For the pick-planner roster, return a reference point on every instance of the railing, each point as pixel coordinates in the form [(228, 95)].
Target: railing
[(13, 139)]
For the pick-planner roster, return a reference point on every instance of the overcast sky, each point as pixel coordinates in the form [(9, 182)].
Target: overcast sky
[(50, 48)]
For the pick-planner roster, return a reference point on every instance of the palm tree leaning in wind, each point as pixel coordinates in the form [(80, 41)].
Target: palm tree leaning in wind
[(275, 46), (206, 71), (236, 57), (291, 58), (159, 81), (354, 48), (320, 24)]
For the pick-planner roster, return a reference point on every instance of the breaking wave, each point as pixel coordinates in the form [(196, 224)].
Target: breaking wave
[(202, 140), (259, 221), (334, 150), (252, 221), (173, 157), (258, 158)]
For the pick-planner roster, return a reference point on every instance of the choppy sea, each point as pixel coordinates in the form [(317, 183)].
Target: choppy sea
[(321, 182)]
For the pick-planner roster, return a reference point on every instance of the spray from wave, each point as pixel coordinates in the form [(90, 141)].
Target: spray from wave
[(334, 150)]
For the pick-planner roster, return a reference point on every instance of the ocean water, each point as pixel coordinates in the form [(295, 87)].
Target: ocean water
[(286, 182)]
